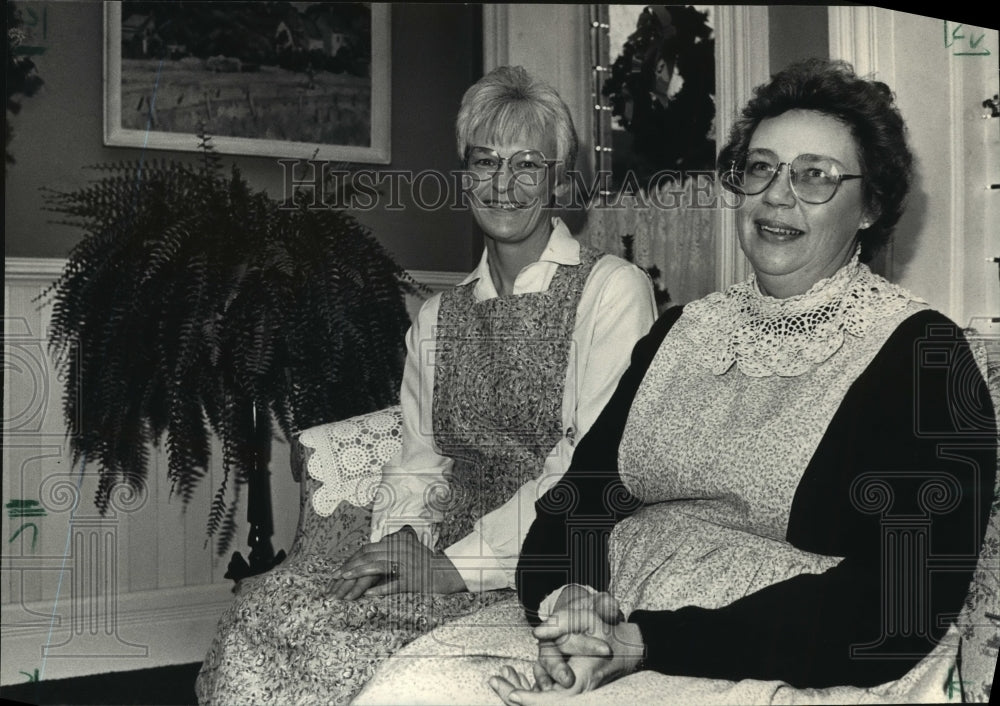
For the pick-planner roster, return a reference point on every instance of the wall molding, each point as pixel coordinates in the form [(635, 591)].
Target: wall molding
[(742, 61), (42, 269), (959, 187), (864, 37), (495, 28), (30, 269), (853, 37), (148, 629)]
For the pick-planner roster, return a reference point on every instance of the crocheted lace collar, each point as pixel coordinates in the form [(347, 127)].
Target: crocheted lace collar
[(766, 336)]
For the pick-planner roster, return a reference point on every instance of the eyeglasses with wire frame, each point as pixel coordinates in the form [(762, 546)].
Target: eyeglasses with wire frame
[(527, 166), (814, 178)]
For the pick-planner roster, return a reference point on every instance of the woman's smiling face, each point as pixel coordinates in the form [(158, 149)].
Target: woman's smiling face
[(511, 209), (792, 244)]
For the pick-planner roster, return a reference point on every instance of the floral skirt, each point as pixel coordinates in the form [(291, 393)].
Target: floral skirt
[(661, 558), (284, 641)]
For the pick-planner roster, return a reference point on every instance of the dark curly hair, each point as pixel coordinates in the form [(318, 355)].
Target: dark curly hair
[(866, 107)]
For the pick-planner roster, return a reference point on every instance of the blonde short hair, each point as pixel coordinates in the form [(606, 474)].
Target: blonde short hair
[(509, 102)]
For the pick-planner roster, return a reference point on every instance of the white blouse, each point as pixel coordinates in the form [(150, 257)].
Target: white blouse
[(616, 309)]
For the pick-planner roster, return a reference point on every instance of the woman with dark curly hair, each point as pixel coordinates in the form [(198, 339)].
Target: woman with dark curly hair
[(866, 109), (785, 498)]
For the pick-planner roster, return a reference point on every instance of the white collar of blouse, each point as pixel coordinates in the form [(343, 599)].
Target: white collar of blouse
[(562, 249)]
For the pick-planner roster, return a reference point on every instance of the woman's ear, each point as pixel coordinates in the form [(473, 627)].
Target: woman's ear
[(561, 187), (869, 217)]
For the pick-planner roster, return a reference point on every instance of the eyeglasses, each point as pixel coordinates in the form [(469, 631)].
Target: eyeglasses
[(814, 178), (527, 166)]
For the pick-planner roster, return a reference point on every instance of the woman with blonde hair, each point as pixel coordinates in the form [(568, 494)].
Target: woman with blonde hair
[(504, 373)]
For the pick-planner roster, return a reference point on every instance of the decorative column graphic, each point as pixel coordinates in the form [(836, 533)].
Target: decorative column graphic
[(909, 504), (60, 564), (90, 605), (907, 562)]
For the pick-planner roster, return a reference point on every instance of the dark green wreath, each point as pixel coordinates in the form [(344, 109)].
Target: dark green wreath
[(674, 133)]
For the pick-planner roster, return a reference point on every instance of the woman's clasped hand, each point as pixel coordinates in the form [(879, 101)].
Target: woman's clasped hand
[(584, 643)]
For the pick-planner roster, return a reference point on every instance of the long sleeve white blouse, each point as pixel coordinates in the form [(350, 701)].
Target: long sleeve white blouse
[(616, 308)]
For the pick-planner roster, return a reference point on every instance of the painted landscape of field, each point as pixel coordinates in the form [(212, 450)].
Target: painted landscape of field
[(277, 71), (270, 103)]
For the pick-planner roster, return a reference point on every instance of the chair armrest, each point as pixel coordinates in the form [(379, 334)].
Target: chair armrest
[(336, 463), (299, 456)]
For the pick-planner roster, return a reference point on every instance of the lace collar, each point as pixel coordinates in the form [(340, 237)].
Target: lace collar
[(766, 336)]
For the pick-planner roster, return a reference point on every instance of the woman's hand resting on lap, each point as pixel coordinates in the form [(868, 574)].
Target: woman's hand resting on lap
[(398, 563)]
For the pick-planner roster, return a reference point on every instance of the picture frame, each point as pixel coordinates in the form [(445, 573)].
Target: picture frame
[(313, 83)]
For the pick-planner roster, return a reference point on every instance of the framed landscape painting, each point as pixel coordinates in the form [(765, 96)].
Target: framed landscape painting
[(306, 80)]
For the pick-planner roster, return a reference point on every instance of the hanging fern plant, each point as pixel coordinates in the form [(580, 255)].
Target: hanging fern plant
[(192, 299)]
